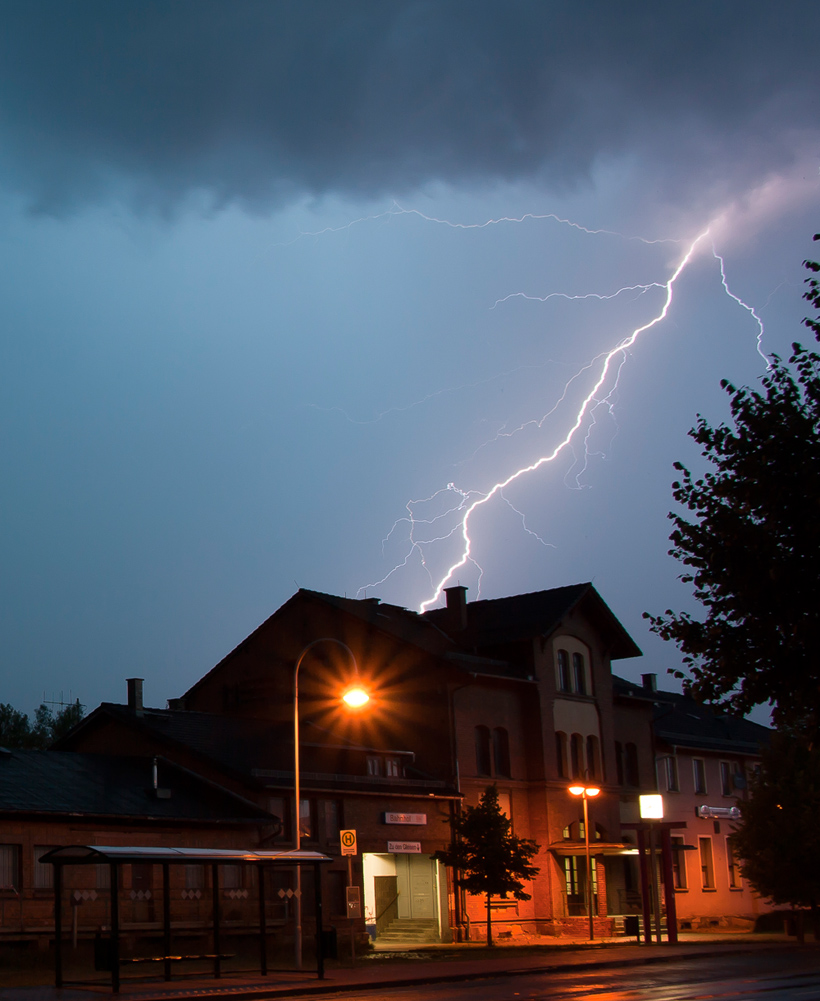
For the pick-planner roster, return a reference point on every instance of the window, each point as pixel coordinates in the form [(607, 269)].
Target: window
[(699, 769), (281, 807), (593, 757), (307, 821), (564, 680), (142, 878), (230, 877), (632, 774), (330, 811), (501, 751), (571, 876), (670, 771), (619, 762), (392, 768), (725, 778), (577, 755), (731, 864), (561, 754), (374, 766), (707, 872), (9, 867), (678, 864), (579, 675), (43, 872), (194, 877), (483, 763)]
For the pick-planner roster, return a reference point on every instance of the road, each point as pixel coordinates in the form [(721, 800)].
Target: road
[(767, 976)]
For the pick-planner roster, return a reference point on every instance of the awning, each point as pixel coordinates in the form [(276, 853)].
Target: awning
[(595, 848)]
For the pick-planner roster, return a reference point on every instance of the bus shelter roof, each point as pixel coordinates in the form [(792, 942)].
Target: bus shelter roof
[(95, 854)]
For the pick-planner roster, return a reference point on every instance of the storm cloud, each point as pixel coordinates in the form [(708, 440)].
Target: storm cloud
[(260, 102)]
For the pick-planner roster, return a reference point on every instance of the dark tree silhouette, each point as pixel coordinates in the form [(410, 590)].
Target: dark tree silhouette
[(753, 548), (778, 832), (18, 731), (487, 857)]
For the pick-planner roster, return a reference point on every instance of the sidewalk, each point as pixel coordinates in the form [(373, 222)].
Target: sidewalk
[(415, 966)]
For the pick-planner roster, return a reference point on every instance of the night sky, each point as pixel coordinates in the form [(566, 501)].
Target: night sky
[(284, 284)]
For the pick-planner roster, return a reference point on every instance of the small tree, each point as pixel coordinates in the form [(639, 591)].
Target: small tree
[(487, 857), (778, 834)]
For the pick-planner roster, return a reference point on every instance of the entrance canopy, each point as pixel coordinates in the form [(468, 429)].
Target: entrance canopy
[(117, 855)]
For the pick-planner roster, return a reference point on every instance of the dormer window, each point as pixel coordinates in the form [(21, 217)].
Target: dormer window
[(564, 677), (572, 667)]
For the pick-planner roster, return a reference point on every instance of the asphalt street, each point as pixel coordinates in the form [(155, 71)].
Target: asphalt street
[(775, 976)]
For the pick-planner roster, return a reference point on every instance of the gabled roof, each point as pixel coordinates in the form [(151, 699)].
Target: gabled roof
[(680, 721), (539, 613), (399, 623), (65, 783)]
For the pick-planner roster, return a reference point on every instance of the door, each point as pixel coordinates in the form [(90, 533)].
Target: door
[(386, 893), (421, 887)]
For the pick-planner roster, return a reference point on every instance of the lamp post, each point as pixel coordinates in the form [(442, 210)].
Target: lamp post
[(355, 697), (587, 792)]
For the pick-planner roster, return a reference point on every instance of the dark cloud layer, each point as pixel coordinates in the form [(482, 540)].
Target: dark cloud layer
[(258, 101)]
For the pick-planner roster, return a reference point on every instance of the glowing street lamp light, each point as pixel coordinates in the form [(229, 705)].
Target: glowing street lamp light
[(355, 697), (587, 793)]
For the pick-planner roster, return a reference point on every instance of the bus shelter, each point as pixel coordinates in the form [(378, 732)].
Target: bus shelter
[(117, 856)]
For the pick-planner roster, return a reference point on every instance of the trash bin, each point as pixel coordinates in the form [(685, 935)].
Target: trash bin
[(330, 947), (632, 926)]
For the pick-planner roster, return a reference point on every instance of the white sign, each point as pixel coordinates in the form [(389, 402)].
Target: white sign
[(405, 818), (719, 812), (404, 847)]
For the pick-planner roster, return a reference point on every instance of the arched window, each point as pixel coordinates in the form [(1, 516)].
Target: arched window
[(632, 776), (576, 747), (483, 763), (501, 751), (561, 754), (564, 679), (579, 674), (593, 757)]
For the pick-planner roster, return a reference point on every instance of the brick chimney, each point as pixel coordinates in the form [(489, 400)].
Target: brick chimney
[(456, 608), (650, 682), (135, 695)]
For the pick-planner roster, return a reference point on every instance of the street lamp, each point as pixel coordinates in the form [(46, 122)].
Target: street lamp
[(355, 697), (587, 793)]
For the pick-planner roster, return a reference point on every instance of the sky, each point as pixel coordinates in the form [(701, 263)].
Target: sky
[(290, 290)]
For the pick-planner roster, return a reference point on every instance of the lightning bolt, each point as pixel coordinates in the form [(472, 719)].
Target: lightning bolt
[(744, 305), (610, 361)]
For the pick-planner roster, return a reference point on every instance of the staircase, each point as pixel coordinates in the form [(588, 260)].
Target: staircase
[(409, 931)]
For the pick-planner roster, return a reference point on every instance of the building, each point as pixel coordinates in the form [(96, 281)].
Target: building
[(49, 799), (704, 762), (517, 692)]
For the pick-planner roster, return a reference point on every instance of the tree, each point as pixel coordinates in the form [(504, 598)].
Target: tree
[(778, 835), (487, 857), (754, 548), (17, 730)]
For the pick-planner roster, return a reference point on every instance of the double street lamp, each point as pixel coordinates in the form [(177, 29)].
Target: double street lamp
[(587, 792), (355, 697)]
